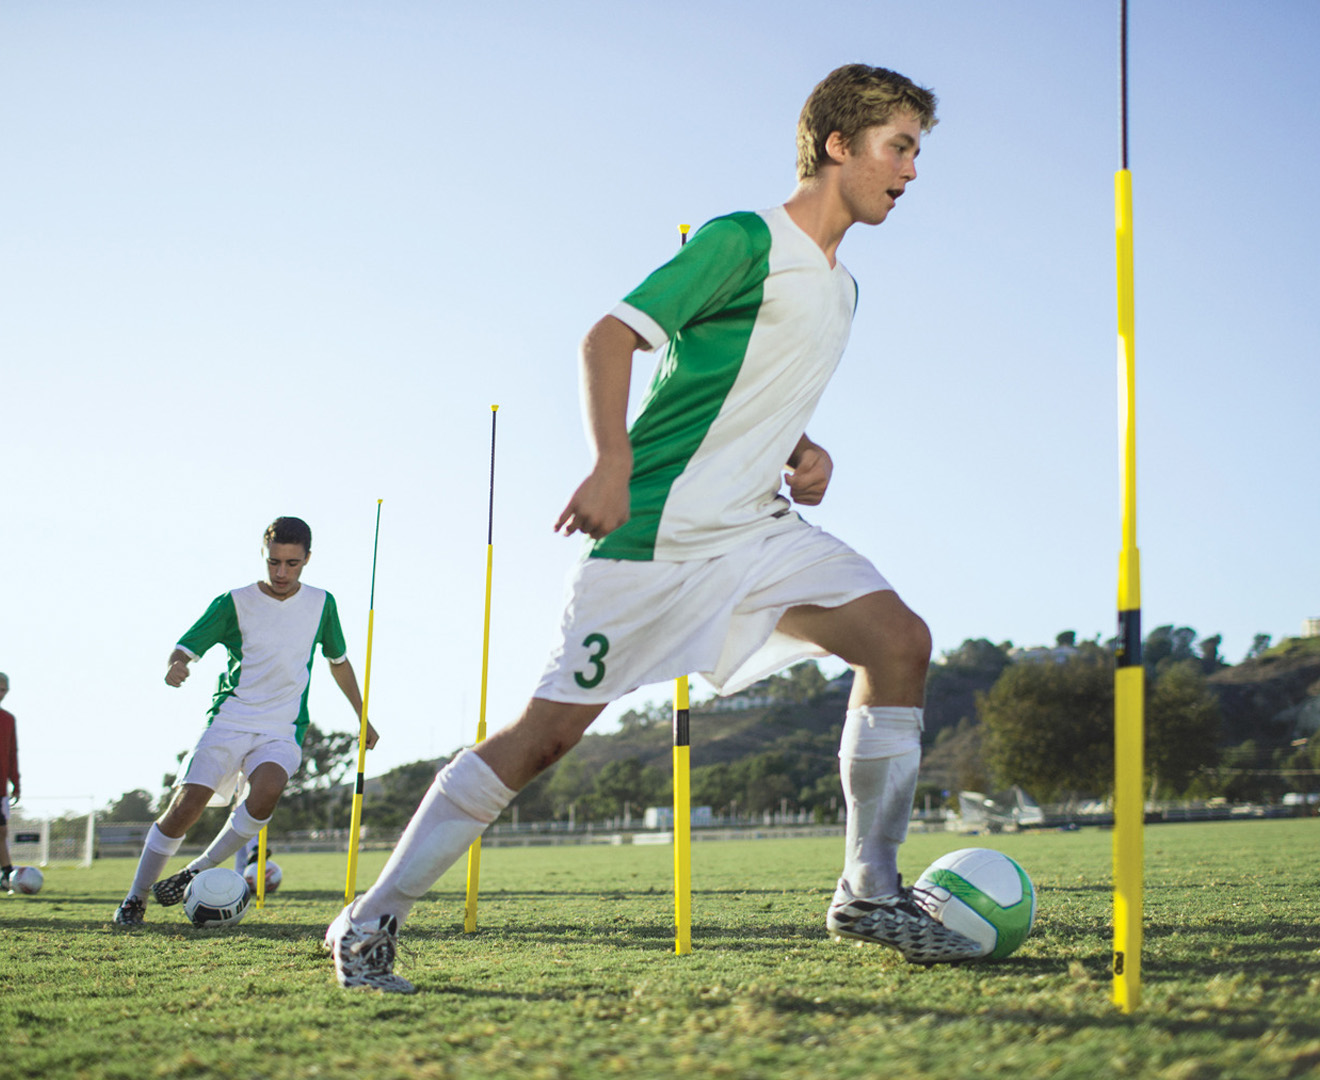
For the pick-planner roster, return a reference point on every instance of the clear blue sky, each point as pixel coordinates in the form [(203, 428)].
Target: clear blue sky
[(281, 259)]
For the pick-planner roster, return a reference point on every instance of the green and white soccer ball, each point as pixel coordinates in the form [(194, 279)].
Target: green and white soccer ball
[(983, 895), (216, 897)]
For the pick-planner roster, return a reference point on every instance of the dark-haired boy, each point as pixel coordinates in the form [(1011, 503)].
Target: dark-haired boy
[(700, 562), (258, 717)]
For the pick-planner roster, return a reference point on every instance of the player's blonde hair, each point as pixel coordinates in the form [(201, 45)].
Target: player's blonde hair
[(849, 100)]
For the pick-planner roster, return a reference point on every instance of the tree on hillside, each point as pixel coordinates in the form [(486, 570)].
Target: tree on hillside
[(130, 806), (628, 782), (802, 683), (1182, 727), (398, 793), (1168, 644), (1050, 727), (309, 800), (977, 654), (1211, 661), (1259, 645)]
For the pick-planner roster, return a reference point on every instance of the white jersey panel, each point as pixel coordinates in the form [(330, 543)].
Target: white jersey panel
[(730, 488)]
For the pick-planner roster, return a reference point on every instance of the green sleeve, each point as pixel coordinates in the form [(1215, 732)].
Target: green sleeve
[(218, 624), (725, 258), (331, 634)]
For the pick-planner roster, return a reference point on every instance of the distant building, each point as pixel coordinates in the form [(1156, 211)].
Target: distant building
[(1311, 627), (1042, 654), (662, 817), (734, 703)]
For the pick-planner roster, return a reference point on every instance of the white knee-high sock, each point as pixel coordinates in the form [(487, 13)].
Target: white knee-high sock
[(879, 757), (464, 798), (157, 850), (239, 829)]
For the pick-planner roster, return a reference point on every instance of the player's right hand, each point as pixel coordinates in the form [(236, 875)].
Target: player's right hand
[(599, 505), (178, 671)]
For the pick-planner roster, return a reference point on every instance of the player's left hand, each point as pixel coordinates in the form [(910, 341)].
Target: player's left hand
[(373, 736), (810, 475)]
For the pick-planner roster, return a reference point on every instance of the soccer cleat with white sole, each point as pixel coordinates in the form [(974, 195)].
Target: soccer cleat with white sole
[(364, 956), (170, 890), (899, 922)]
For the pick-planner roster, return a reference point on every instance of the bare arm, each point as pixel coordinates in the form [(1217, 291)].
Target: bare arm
[(600, 503), (347, 681), (810, 471)]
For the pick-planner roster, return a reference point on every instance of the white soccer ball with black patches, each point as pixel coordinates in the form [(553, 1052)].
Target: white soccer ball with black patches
[(274, 875), (983, 895), (216, 897), (26, 880)]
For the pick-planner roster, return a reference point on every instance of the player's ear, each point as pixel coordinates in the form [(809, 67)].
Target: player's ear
[(836, 146)]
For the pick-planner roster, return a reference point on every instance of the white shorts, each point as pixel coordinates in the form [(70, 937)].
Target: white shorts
[(223, 758), (4, 810), (630, 623)]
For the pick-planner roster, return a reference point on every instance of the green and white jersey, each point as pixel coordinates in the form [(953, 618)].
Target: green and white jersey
[(271, 645), (753, 321)]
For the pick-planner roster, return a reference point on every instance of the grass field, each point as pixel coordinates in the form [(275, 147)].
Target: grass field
[(572, 972)]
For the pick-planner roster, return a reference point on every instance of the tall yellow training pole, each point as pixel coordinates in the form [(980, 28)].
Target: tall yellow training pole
[(1129, 675), (682, 822), (474, 852), (261, 868), (355, 822), (682, 797)]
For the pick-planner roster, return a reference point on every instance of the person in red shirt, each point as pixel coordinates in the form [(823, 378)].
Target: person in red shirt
[(8, 780)]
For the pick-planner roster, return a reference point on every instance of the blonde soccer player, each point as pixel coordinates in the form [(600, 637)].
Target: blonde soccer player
[(698, 560)]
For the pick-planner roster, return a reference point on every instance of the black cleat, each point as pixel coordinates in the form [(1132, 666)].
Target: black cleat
[(169, 891)]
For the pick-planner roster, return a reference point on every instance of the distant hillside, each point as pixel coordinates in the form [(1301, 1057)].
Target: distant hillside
[(1274, 697)]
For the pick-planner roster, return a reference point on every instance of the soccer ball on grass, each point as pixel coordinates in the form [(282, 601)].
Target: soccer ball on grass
[(983, 895), (26, 880), (216, 897), (274, 875)]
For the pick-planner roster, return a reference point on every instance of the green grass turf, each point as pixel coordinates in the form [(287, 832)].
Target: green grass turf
[(572, 972)]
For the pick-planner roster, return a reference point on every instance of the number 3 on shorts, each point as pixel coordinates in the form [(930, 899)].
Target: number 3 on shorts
[(602, 646)]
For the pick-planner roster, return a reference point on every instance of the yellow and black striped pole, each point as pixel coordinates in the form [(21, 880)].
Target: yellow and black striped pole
[(1129, 675), (474, 852), (355, 821), (261, 868), (682, 798), (682, 822)]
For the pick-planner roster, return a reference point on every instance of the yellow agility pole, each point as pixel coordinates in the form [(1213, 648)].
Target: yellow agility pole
[(261, 868), (474, 852), (682, 822), (1129, 674), (355, 822), (682, 796)]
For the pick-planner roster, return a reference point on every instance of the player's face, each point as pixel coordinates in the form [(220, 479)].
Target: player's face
[(4, 688), (878, 166), (284, 564)]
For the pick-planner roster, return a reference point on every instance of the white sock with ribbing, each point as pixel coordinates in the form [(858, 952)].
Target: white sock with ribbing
[(879, 756), (464, 798), (239, 829), (157, 850)]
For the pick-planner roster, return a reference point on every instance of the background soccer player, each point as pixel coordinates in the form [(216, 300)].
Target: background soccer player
[(257, 720), (10, 789)]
